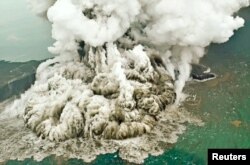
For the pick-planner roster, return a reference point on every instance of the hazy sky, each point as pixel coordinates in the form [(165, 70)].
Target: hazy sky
[(23, 35)]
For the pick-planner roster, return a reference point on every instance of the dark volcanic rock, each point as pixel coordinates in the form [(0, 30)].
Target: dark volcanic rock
[(201, 73)]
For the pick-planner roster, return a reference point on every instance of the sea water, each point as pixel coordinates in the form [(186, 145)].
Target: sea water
[(222, 103)]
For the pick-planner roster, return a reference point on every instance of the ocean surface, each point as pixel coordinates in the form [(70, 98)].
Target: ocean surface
[(223, 103)]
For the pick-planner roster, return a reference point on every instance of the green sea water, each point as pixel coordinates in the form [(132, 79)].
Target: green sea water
[(223, 104)]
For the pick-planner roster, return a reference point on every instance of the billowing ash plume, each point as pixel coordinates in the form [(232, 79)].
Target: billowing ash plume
[(179, 30), (121, 63)]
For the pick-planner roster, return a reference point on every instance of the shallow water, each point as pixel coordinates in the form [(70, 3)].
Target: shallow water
[(223, 104)]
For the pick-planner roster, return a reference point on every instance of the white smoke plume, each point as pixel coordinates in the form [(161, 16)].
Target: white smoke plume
[(120, 70), (180, 26)]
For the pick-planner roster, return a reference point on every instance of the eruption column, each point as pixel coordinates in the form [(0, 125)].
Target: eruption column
[(121, 64)]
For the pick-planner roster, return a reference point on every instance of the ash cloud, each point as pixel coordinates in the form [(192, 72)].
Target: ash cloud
[(115, 74), (181, 29)]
